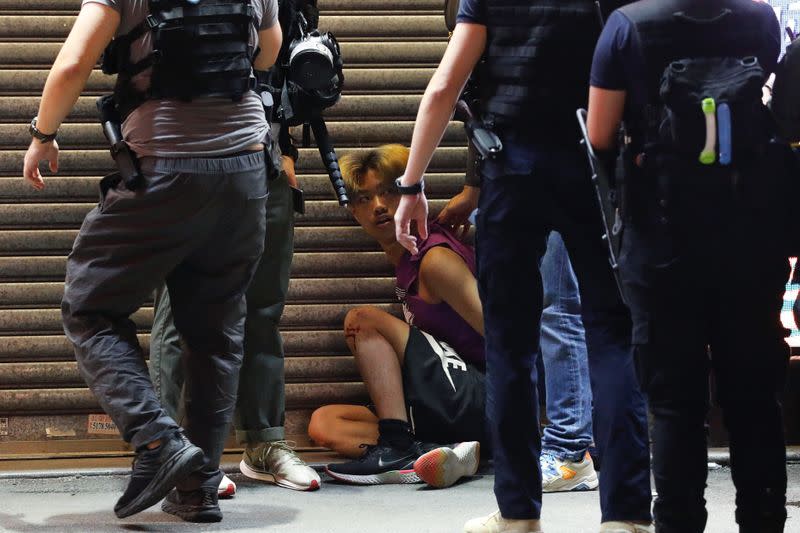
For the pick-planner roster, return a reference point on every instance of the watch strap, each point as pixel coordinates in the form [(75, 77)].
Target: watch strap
[(409, 189), (41, 136)]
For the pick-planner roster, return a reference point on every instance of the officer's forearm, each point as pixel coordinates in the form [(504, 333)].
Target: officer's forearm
[(462, 54), (434, 114), (63, 87)]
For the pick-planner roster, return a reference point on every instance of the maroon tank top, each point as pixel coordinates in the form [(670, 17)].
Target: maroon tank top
[(440, 320)]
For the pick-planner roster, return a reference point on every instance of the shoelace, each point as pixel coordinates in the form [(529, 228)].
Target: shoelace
[(548, 462), (368, 448), (208, 498), (281, 445)]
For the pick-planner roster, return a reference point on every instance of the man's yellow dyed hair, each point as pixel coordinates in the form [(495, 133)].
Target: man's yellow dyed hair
[(387, 161)]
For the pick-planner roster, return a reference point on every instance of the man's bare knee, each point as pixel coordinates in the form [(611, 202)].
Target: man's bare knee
[(360, 318), (358, 323)]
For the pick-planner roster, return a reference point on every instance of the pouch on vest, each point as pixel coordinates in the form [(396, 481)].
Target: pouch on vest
[(786, 94), (712, 109)]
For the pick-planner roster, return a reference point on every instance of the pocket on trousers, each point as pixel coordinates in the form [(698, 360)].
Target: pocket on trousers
[(108, 190)]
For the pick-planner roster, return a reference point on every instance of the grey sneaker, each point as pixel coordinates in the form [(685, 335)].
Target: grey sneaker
[(276, 462)]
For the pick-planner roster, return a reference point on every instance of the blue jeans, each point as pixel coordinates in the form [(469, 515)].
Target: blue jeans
[(528, 192), (564, 357)]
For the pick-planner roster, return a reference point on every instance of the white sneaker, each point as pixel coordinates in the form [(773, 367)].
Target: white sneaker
[(227, 488), (626, 527), (495, 523), (560, 476), (276, 462), (444, 466)]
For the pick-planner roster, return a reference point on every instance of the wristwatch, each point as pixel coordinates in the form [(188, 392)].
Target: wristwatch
[(411, 189), (43, 137)]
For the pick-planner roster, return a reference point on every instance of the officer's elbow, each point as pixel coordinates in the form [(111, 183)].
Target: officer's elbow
[(70, 71), (441, 93)]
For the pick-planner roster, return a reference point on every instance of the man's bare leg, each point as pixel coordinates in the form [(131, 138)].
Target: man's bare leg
[(344, 428), (378, 342)]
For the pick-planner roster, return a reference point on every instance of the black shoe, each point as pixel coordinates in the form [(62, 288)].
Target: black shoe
[(155, 472), (382, 463), (199, 505)]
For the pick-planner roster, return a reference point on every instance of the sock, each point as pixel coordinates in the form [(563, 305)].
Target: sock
[(396, 433)]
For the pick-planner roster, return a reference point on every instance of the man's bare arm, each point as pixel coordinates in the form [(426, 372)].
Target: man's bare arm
[(269, 40), (462, 54), (446, 277), (93, 30), (604, 116), (436, 108)]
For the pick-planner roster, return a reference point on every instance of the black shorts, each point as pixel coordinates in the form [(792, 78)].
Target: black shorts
[(445, 396)]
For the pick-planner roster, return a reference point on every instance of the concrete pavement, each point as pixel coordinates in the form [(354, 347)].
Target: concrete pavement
[(84, 503)]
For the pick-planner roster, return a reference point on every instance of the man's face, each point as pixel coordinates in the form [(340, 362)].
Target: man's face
[(374, 208)]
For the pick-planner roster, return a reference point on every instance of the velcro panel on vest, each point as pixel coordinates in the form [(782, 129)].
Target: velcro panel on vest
[(203, 50), (538, 59)]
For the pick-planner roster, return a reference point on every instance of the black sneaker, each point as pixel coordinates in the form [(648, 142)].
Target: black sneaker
[(199, 505), (382, 463), (155, 472)]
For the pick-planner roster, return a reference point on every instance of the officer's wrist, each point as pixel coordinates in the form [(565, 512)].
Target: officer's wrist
[(406, 187)]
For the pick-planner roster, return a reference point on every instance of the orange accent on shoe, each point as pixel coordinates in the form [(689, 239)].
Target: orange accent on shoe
[(313, 486), (228, 492), (566, 473), (430, 467)]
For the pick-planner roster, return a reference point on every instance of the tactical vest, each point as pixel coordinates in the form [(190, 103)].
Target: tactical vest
[(200, 49), (670, 30), (538, 60)]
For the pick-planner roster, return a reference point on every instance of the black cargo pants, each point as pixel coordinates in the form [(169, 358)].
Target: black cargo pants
[(198, 223), (260, 412), (704, 270)]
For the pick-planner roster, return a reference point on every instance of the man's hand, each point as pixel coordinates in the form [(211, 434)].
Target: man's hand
[(455, 214), (37, 152), (287, 163), (413, 207)]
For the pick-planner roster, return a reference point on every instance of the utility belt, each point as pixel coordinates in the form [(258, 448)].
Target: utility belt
[(128, 167)]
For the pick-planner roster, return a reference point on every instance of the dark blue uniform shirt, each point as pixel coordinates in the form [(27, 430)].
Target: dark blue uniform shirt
[(472, 11)]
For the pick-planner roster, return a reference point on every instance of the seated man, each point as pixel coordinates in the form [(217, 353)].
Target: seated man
[(425, 377)]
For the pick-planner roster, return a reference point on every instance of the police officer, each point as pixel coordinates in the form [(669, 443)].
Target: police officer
[(704, 250), (538, 57), (261, 402), (196, 220)]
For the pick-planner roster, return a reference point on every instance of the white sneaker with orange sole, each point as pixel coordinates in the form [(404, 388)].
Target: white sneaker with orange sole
[(444, 466)]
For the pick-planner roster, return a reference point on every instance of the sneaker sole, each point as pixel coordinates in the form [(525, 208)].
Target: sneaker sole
[(276, 480), (442, 467), (178, 466), (192, 513), (392, 477), (584, 483)]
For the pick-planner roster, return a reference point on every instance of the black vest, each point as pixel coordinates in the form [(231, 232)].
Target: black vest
[(669, 30), (538, 60), (199, 50)]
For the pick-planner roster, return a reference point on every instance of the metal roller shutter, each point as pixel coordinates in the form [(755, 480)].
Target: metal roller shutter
[(390, 47)]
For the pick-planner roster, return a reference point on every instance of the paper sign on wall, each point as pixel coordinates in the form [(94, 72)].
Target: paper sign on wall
[(101, 425)]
